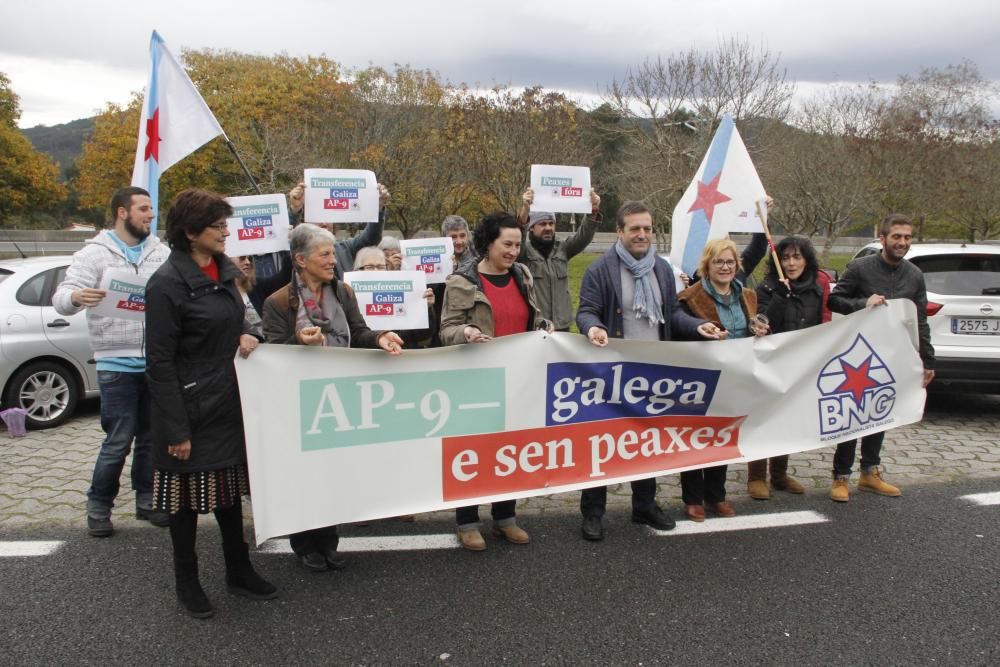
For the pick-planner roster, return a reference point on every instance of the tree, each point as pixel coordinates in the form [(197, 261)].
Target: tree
[(671, 105), (29, 183)]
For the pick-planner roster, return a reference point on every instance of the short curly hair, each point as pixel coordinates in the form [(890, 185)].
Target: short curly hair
[(488, 230)]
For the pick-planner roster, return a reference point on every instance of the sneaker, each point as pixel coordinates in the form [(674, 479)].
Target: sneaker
[(512, 533), (871, 480), (787, 484), (99, 526), (757, 488), (472, 540), (840, 492)]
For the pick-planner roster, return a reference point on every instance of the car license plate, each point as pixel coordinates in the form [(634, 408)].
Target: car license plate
[(982, 326)]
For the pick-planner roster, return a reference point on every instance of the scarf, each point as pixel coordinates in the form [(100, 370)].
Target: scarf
[(327, 314), (541, 245), (730, 308), (646, 304)]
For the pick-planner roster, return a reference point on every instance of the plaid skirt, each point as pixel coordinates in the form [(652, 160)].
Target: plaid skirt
[(202, 492)]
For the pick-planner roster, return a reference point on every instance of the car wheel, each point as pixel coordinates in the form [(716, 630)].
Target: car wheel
[(48, 391)]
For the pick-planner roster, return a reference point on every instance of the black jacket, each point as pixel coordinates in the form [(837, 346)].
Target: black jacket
[(870, 275), (803, 308), (193, 328)]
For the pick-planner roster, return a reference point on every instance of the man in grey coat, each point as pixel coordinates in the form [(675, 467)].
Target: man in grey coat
[(869, 282), (547, 257)]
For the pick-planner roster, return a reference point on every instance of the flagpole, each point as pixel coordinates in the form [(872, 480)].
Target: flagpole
[(240, 160), (767, 232)]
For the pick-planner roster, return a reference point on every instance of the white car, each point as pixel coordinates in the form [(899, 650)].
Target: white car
[(963, 309), (46, 364)]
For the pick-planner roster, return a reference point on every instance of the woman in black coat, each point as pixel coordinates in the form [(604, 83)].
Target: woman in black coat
[(194, 326), (795, 303)]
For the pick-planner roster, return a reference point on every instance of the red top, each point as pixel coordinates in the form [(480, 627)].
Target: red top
[(211, 270), (510, 310)]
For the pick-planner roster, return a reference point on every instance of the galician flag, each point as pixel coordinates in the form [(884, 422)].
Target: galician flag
[(721, 199), (175, 121)]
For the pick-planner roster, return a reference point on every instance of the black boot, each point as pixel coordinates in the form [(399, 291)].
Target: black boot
[(190, 595), (241, 578)]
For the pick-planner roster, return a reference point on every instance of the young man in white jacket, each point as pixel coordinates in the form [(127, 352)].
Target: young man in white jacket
[(118, 345)]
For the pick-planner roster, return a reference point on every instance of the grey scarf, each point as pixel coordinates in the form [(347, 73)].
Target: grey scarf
[(646, 304), (328, 315)]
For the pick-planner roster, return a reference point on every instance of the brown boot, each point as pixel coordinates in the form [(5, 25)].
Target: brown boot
[(756, 474), (472, 540), (512, 533), (871, 480), (840, 492), (787, 484)]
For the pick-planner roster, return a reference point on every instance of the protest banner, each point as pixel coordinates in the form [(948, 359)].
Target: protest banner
[(721, 199), (259, 225), (560, 189), (390, 300), (339, 435), (435, 257), (126, 295), (340, 195)]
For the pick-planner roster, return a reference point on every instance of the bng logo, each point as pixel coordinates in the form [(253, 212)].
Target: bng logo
[(856, 388)]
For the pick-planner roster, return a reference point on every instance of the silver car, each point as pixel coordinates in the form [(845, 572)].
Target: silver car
[(46, 364)]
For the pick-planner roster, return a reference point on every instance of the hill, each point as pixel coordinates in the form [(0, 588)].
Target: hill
[(63, 143)]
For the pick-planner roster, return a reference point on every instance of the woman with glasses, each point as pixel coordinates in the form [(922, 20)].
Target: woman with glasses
[(721, 299), (316, 308), (195, 323)]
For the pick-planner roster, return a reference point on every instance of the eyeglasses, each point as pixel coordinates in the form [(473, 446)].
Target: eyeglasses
[(372, 267), (727, 263), (219, 226)]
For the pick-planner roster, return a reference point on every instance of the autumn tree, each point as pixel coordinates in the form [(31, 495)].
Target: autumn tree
[(29, 183), (500, 133)]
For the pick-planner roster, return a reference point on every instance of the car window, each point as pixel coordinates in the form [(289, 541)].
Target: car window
[(39, 289), (960, 275), (4, 273), (864, 252)]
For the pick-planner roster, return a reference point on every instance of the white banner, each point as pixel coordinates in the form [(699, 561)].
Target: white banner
[(340, 195), (434, 257), (368, 435), (126, 295), (560, 189), (390, 300), (259, 225)]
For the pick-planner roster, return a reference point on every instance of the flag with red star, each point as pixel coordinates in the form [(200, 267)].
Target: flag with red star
[(721, 199), (175, 121)]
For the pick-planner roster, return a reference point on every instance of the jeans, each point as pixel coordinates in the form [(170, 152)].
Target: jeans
[(871, 446), (124, 418), (503, 513), (594, 501)]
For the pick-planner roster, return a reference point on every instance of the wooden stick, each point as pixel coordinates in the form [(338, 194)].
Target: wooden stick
[(762, 214)]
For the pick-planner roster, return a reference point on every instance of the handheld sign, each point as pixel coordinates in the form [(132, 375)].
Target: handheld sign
[(433, 257), (390, 300), (560, 189), (126, 295), (259, 225), (341, 195)]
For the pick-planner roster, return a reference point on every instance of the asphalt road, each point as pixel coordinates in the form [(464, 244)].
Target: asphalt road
[(914, 581)]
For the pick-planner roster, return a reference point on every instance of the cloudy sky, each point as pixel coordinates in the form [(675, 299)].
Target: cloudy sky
[(67, 58)]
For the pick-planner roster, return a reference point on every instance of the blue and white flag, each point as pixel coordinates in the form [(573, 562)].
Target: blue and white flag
[(721, 199), (175, 121)]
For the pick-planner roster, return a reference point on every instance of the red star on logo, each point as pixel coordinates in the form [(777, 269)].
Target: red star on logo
[(857, 379), (153, 136), (709, 197)]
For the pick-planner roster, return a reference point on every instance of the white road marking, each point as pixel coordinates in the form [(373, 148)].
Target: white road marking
[(387, 543), (983, 498), (25, 548), (746, 522)]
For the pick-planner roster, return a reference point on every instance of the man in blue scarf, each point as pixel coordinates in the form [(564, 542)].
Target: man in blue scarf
[(629, 293)]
